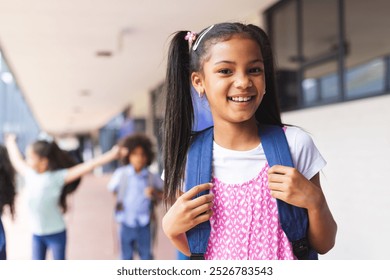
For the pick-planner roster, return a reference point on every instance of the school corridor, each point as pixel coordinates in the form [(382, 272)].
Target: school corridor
[(92, 232)]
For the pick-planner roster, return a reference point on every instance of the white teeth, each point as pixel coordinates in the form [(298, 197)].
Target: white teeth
[(240, 99)]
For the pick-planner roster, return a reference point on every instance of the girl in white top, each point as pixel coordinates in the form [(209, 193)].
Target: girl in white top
[(50, 174), (231, 64)]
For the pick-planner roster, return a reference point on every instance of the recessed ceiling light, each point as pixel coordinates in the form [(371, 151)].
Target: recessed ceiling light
[(76, 109), (7, 77), (85, 92), (104, 53)]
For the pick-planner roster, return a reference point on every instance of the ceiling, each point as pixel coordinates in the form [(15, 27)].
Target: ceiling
[(51, 47)]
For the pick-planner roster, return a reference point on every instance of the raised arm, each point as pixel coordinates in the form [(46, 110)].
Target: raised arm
[(16, 157), (81, 169)]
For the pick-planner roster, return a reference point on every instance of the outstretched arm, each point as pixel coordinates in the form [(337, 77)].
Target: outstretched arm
[(16, 157), (81, 169), (289, 185), (186, 213)]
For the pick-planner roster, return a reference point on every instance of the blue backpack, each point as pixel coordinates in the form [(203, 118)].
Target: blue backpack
[(293, 220), (2, 242)]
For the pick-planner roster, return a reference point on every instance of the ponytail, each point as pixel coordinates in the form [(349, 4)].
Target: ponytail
[(65, 159), (179, 115)]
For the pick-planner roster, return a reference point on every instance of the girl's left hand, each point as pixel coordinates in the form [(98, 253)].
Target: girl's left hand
[(288, 184)]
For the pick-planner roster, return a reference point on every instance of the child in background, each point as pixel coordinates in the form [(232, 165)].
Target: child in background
[(137, 189), (231, 64), (48, 179), (7, 194)]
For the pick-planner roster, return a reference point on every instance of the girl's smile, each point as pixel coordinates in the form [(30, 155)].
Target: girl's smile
[(242, 102), (240, 99)]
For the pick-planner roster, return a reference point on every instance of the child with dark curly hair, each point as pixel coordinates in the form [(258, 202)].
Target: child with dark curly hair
[(137, 189), (7, 193)]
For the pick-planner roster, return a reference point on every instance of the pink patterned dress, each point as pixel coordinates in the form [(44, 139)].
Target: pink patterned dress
[(245, 224)]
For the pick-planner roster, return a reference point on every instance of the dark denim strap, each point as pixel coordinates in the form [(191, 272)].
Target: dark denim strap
[(293, 220), (2, 242), (198, 172)]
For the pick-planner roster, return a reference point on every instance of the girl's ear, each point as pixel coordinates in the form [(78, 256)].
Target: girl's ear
[(197, 83)]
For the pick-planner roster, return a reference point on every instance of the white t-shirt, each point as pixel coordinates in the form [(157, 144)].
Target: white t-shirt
[(233, 167), (43, 194)]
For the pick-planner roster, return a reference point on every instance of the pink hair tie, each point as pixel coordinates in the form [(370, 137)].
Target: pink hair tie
[(190, 37)]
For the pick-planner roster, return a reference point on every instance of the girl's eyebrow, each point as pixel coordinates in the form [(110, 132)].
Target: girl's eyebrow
[(224, 61), (232, 62)]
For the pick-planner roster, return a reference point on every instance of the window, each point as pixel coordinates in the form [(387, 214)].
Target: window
[(366, 79), (15, 115), (318, 62)]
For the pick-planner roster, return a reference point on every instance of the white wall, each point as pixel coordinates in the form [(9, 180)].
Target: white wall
[(354, 138)]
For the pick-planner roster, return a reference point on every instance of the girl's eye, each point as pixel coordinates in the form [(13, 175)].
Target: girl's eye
[(225, 71), (256, 70)]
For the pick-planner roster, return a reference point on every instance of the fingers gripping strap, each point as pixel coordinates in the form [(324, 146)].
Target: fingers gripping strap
[(198, 172)]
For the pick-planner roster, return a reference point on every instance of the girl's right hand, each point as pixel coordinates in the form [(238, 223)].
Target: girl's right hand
[(117, 152), (187, 212), (10, 137)]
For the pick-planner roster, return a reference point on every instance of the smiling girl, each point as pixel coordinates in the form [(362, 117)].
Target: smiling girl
[(231, 64)]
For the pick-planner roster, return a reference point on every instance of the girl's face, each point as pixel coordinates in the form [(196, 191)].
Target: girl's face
[(233, 80), (36, 162), (138, 159)]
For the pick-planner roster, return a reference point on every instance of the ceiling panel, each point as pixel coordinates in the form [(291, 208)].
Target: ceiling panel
[(51, 47)]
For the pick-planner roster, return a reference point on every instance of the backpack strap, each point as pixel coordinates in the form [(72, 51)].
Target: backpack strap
[(198, 171), (3, 255), (293, 220)]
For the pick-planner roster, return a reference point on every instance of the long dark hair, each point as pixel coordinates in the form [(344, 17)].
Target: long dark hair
[(57, 159), (7, 182), (179, 112)]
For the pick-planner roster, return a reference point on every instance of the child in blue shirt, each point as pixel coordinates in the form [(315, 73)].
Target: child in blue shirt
[(137, 189)]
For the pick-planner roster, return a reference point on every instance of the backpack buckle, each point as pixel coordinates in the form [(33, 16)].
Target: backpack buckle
[(197, 256), (301, 248)]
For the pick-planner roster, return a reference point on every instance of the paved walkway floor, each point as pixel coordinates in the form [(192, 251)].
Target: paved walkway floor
[(92, 230)]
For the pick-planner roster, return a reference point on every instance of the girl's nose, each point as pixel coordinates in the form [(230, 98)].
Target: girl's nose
[(243, 82)]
